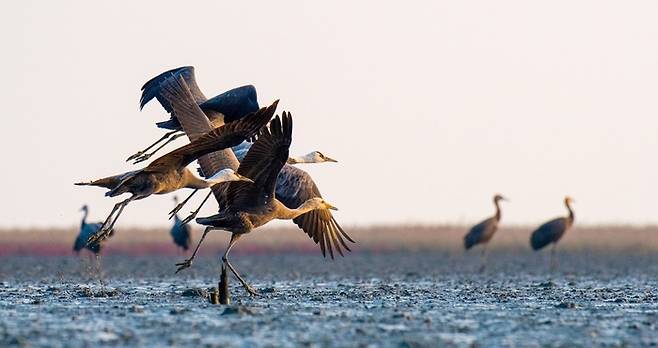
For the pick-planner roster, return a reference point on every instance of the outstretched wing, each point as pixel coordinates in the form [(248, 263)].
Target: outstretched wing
[(234, 103), (219, 138), (295, 187), (262, 164), (153, 89)]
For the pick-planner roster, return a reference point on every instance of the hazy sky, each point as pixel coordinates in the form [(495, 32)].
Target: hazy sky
[(430, 107)]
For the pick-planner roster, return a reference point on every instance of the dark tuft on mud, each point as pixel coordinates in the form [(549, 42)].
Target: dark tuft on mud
[(385, 300)]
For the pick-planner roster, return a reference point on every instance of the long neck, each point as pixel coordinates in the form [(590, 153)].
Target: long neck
[(84, 218), (192, 181), (295, 160), (571, 216), (288, 214), (497, 210)]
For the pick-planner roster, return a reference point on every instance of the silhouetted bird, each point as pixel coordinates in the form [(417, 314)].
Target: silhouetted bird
[(180, 232), (552, 231), (484, 231), (86, 231)]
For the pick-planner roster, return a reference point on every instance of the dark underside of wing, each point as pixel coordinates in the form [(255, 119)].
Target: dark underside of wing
[(233, 104), (152, 89), (294, 187)]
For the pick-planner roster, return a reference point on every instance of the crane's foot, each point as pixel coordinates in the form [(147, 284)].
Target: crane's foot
[(137, 154), (189, 218), (174, 211), (183, 265), (143, 158), (482, 269), (251, 290)]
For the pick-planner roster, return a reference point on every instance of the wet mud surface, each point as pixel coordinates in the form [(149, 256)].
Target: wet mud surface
[(379, 300)]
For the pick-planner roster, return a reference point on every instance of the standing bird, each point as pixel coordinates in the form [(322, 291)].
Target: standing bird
[(226, 107), (244, 207), (87, 230), (484, 231), (180, 232), (169, 172), (552, 231)]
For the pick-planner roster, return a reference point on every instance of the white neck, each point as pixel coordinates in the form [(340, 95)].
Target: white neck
[(308, 158)]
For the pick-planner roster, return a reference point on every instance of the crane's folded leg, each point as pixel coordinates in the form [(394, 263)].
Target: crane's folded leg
[(178, 207), (194, 213), (249, 288), (139, 153), (188, 262), (146, 156)]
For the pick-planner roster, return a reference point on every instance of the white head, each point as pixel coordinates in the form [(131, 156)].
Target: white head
[(311, 157), (224, 175)]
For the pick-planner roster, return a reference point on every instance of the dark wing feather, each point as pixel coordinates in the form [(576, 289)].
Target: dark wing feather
[(262, 164), (233, 104), (153, 89), (228, 135), (548, 233), (479, 233), (295, 187)]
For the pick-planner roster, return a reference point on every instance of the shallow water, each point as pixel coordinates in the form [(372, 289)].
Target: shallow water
[(379, 300)]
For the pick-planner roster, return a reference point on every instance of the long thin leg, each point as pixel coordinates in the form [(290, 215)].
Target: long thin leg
[(105, 230), (249, 288), (173, 212), (187, 263), (191, 216), (483, 257), (139, 153), (146, 156), (553, 258)]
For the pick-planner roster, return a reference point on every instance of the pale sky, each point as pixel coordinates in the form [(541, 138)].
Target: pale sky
[(430, 107)]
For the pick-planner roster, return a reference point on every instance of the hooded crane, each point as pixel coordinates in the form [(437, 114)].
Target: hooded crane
[(169, 172), (180, 232), (484, 231), (246, 207), (240, 151), (87, 230), (226, 107), (552, 232), (294, 186)]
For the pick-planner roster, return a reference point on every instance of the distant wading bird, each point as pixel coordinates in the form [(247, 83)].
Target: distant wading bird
[(224, 108), (246, 206), (87, 230), (552, 231), (170, 173), (484, 231), (180, 232)]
